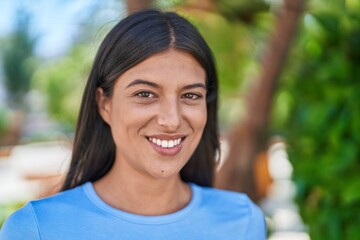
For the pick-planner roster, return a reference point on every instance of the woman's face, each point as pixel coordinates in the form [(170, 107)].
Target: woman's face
[(157, 114)]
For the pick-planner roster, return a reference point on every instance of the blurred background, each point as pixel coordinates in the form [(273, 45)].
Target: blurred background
[(289, 101)]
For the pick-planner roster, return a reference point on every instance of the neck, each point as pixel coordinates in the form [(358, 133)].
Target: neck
[(143, 196)]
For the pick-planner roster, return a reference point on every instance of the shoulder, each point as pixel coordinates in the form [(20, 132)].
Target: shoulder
[(234, 207), (32, 216), (24, 217), (61, 199), (63, 205), (225, 198)]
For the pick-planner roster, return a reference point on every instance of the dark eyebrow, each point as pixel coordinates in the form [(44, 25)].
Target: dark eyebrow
[(152, 84), (140, 81), (195, 85)]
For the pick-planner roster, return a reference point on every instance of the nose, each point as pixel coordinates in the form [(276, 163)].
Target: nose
[(169, 115)]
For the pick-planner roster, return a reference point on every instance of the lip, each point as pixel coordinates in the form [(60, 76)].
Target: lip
[(167, 151)]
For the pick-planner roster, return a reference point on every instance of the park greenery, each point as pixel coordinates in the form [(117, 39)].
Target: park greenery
[(315, 109), (62, 81), (18, 64), (18, 60)]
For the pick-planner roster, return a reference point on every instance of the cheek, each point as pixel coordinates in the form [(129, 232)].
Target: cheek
[(121, 123), (197, 118), (202, 120), (127, 124), (128, 115)]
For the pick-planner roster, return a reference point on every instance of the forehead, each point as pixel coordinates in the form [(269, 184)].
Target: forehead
[(174, 65)]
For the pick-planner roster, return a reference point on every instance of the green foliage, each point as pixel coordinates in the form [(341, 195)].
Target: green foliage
[(62, 82), (166, 4), (318, 109), (18, 60), (241, 10), (4, 120)]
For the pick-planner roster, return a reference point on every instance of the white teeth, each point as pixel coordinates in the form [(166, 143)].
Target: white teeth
[(165, 143)]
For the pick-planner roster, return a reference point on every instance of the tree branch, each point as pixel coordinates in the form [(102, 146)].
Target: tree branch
[(248, 137)]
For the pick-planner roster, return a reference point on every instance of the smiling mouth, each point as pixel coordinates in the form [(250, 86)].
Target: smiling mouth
[(166, 143)]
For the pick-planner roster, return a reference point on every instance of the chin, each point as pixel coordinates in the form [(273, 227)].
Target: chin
[(165, 173)]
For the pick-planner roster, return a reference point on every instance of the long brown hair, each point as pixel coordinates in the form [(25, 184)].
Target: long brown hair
[(130, 42)]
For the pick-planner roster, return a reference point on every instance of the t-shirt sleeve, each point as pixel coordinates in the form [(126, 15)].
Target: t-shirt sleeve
[(21, 225), (257, 226)]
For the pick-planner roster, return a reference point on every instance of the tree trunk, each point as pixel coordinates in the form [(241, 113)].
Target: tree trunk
[(248, 137), (136, 5)]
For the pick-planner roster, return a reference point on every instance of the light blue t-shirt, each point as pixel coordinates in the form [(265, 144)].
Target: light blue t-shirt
[(81, 214)]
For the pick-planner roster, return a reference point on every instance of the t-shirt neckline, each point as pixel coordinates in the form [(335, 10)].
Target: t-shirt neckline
[(140, 219)]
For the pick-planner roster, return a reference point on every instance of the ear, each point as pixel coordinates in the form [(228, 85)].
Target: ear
[(103, 105)]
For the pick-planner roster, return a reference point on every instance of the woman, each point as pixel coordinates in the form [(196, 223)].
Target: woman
[(145, 146)]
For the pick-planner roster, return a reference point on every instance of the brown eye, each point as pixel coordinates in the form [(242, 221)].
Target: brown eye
[(192, 96), (145, 94)]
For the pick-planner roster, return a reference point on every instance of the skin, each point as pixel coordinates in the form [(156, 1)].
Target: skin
[(163, 97)]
